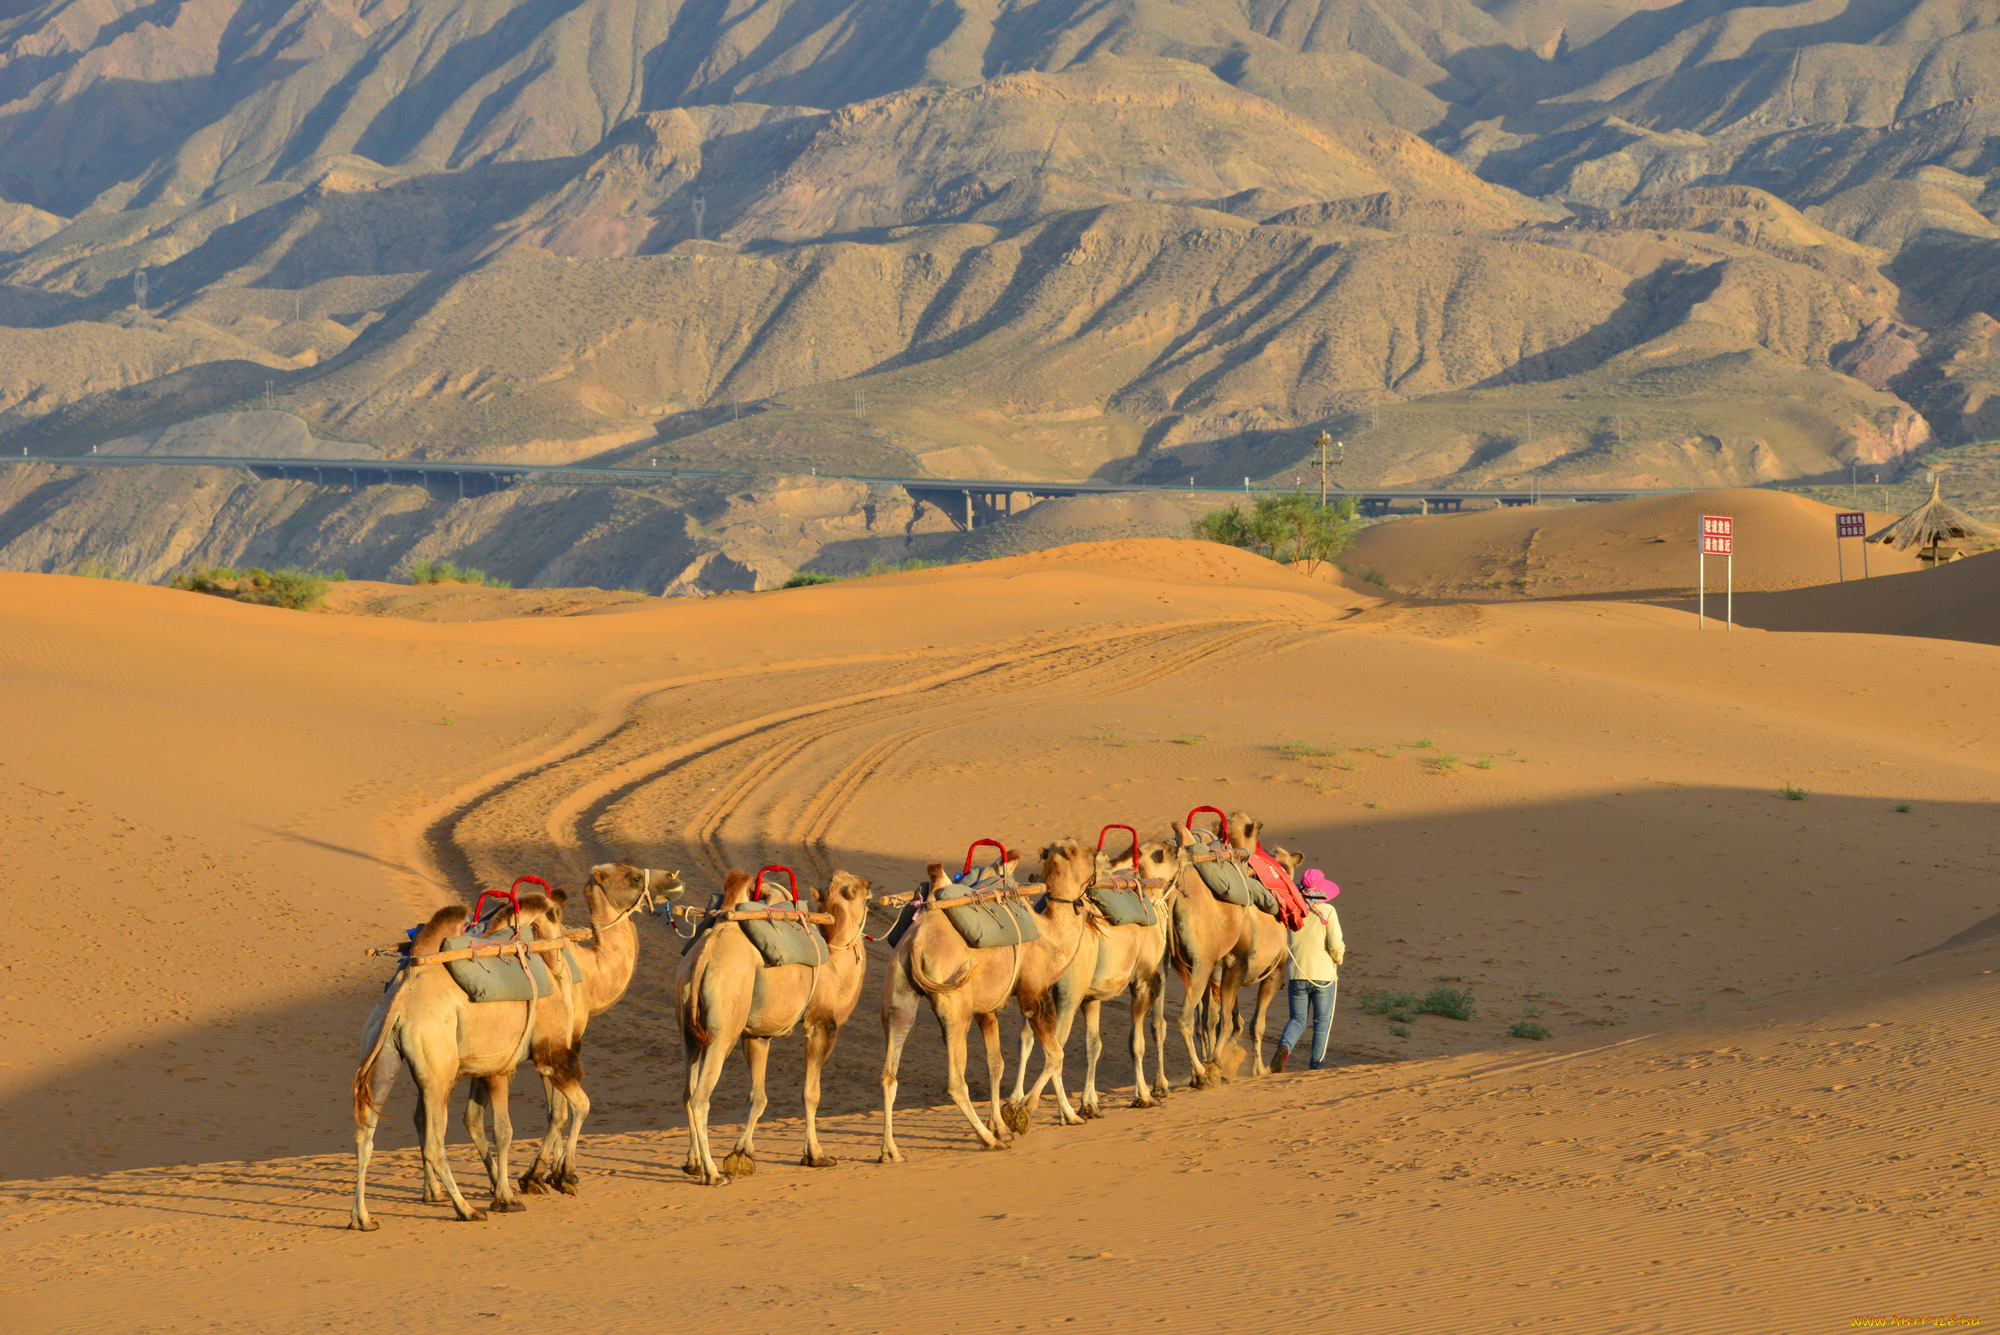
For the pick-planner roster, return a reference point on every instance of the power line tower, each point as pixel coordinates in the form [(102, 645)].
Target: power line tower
[(700, 209)]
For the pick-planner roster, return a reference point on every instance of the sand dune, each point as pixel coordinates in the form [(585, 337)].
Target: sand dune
[(1758, 1078), (1638, 546)]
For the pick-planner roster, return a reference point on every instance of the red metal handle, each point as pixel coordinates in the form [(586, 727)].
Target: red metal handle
[(757, 890), (1129, 830), (1219, 815), (976, 845), (512, 894)]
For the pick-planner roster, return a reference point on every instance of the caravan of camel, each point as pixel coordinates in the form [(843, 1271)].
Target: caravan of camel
[(1071, 957)]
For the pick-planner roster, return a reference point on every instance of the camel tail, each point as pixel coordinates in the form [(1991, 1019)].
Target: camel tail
[(442, 924), (951, 984), (691, 1001)]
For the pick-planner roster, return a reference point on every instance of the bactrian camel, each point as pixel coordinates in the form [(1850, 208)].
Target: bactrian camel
[(1205, 936), (1258, 961), (1111, 960), (725, 992), (966, 983), (615, 892), (426, 1020)]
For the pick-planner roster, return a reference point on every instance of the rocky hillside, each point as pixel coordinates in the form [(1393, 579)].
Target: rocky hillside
[(1578, 240)]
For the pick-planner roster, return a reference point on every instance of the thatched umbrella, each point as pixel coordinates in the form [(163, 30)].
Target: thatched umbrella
[(1935, 529)]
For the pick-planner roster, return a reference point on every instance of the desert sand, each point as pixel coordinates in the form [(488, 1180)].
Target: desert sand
[(1765, 1104)]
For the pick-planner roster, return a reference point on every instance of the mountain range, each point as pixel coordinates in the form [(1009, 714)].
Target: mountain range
[(1570, 240)]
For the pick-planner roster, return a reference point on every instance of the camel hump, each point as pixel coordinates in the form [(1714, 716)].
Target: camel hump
[(445, 922), (735, 888)]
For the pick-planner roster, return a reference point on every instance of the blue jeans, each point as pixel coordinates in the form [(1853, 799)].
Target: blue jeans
[(1309, 1000)]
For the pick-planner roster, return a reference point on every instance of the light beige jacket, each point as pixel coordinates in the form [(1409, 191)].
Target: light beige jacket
[(1317, 947)]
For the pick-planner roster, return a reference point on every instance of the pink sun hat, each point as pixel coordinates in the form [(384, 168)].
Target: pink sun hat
[(1315, 885)]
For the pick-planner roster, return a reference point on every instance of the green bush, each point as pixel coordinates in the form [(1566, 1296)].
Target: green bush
[(1292, 527), (1454, 1003), (1398, 1006), (449, 572), (299, 590), (802, 579), (1527, 1029)]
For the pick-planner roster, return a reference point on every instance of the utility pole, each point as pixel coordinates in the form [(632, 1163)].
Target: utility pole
[(1321, 442)]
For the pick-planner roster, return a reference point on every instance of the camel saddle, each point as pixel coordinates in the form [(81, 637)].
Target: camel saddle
[(778, 942), (1122, 904), (782, 943), (500, 977), (1226, 873), (997, 922)]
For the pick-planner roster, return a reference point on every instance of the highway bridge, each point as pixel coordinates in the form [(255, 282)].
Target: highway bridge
[(970, 501)]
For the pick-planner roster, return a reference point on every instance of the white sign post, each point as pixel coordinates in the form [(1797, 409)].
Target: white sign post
[(1717, 536), (1849, 524)]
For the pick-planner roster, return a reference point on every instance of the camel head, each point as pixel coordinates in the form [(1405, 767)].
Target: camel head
[(626, 888), (1068, 862), (1243, 831), (1291, 862), (1157, 861), (845, 890)]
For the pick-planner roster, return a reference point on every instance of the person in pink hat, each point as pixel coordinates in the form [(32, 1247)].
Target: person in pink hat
[(1313, 972)]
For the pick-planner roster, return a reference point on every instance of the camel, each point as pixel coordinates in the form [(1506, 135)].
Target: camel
[(1206, 936), (1258, 960), (441, 1034), (965, 983), (613, 894), (726, 992), (1110, 960)]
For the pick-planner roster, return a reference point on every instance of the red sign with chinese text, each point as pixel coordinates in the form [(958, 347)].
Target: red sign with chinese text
[(1718, 535), (1850, 524)]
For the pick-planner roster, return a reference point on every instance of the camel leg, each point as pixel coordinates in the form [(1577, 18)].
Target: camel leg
[(1160, 1087), (535, 1181), (568, 1100), (380, 1082), (704, 1070), (899, 1012), (433, 1189), (1052, 1026), (1266, 990), (819, 1046), (1142, 1005), (742, 1161), (1196, 992), (504, 1199), (1020, 1095), (996, 1072), (437, 1095), (1093, 1048)]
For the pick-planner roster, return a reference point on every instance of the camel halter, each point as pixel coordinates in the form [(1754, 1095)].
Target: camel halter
[(644, 901)]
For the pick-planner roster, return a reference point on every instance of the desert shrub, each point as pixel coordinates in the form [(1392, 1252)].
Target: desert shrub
[(449, 572), (1527, 1029), (1400, 1007), (806, 578), (93, 567), (1454, 1003), (1793, 793), (1288, 528), (295, 589), (300, 590)]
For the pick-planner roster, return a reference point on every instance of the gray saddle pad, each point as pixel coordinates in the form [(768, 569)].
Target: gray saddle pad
[(997, 922), (1229, 882), (1123, 908), (785, 942), (499, 977)]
